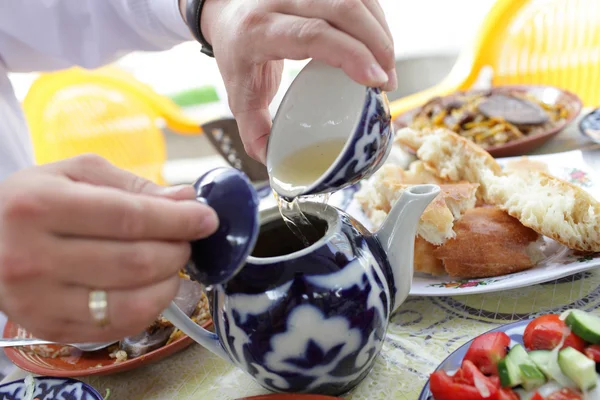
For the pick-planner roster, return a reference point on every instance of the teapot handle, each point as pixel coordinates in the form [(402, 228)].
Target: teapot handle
[(206, 338)]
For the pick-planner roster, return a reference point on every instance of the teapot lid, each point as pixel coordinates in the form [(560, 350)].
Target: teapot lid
[(219, 257)]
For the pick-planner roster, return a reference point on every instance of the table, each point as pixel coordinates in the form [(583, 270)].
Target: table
[(421, 333)]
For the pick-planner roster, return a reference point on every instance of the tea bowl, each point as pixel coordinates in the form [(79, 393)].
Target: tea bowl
[(321, 104)]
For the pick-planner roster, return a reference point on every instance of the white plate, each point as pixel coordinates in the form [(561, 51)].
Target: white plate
[(559, 262)]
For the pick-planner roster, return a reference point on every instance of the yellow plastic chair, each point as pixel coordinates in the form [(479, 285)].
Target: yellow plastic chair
[(546, 42), (104, 111)]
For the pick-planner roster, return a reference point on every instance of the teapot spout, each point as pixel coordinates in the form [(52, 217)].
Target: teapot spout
[(397, 235)]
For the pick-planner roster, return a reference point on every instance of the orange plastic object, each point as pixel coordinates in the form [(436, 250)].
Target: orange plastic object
[(104, 111), (544, 42)]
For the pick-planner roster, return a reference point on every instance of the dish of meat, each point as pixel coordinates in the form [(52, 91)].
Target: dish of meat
[(505, 120)]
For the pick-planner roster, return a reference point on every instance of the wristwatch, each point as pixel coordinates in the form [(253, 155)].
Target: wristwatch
[(193, 13)]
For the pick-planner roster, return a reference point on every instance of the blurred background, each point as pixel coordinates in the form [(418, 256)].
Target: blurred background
[(152, 128), (428, 36)]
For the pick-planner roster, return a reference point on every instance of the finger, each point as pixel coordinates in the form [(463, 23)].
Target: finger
[(77, 209), (95, 170), (105, 264), (300, 38), (375, 8), (255, 127), (65, 316), (351, 17)]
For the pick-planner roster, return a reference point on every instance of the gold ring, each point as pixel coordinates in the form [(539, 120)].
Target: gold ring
[(98, 306)]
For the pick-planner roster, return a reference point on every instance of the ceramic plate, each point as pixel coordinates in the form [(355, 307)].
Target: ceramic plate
[(453, 362), (590, 125), (47, 388), (78, 363), (546, 94), (559, 261)]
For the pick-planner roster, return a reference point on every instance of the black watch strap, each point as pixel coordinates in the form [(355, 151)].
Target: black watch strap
[(193, 13)]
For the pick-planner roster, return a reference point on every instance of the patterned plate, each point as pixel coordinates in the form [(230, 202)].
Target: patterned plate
[(559, 261), (78, 363), (47, 388), (590, 125), (452, 363)]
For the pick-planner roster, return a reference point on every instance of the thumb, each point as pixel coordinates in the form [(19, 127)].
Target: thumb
[(98, 171), (255, 127)]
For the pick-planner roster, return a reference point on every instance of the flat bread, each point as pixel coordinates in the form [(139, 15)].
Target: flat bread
[(489, 242), (548, 205), (425, 261)]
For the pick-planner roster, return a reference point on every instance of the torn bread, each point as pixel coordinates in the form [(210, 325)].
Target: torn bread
[(452, 157), (489, 242), (550, 206), (425, 261), (525, 164), (377, 196)]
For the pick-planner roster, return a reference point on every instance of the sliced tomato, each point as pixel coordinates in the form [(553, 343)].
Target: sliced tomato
[(593, 352), (495, 380), (443, 387), (486, 350), (565, 394), (547, 331), (472, 374), (537, 396), (508, 394)]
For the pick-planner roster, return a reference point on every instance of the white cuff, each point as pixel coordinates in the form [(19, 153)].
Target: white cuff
[(168, 13)]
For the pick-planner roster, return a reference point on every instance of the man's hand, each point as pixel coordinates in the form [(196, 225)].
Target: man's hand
[(250, 38), (80, 225)]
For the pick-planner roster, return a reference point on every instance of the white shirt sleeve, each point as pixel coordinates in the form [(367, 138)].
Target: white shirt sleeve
[(55, 34)]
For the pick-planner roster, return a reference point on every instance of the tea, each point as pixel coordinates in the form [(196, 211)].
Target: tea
[(302, 168), (297, 172), (275, 239)]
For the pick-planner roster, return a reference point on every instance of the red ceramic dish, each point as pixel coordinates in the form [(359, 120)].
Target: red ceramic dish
[(82, 364), (547, 94)]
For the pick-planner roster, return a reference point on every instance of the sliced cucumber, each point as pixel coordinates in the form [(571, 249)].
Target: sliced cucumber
[(509, 373), (584, 325), (578, 368), (547, 362), (541, 358), (531, 376)]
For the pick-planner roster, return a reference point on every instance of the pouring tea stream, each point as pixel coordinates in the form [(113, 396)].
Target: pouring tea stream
[(296, 317)]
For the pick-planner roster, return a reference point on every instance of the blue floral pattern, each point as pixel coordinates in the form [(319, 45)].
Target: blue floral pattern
[(50, 389), (283, 322), (369, 146)]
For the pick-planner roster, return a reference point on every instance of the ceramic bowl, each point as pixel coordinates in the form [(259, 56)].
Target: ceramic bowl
[(49, 388), (324, 104), (546, 94), (590, 125)]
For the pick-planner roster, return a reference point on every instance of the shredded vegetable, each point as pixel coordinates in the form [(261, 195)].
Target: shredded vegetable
[(29, 388)]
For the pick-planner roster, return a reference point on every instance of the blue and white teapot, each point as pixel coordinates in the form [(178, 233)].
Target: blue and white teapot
[(297, 318)]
